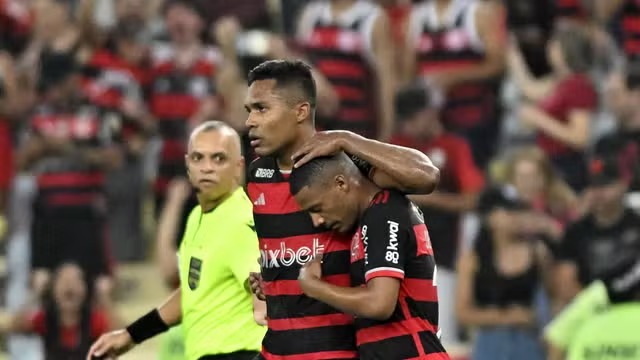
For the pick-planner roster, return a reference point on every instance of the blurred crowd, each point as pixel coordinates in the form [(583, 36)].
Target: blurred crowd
[(531, 110)]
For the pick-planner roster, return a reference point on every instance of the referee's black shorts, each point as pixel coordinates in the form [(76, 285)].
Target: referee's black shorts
[(238, 355), (75, 234)]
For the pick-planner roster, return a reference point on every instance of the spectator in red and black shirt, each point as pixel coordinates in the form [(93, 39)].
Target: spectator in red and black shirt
[(71, 145), (281, 104), (460, 183), (67, 322), (393, 273)]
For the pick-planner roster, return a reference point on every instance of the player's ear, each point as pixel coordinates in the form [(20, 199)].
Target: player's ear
[(341, 183), (303, 111)]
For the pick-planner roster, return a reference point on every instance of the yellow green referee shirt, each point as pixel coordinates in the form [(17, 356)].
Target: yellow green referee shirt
[(218, 250)]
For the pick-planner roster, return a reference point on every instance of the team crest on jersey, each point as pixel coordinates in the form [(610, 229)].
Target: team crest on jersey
[(195, 268)]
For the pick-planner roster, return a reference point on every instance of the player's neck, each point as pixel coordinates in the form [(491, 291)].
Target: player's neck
[(284, 158), (367, 191)]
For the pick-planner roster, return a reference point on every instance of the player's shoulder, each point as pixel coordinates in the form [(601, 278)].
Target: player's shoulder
[(262, 169), (387, 204)]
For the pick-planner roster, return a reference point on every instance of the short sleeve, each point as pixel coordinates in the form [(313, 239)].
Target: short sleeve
[(243, 258), (569, 247), (386, 239), (468, 176)]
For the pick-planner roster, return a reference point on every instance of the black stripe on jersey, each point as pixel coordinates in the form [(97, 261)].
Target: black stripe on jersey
[(170, 169), (438, 56), (272, 226), (173, 128), (265, 163), (336, 55), (420, 268), (303, 341), (422, 310), (396, 348), (280, 307), (333, 263), (354, 104), (401, 347), (355, 83)]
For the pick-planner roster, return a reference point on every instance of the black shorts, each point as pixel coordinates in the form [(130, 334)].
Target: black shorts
[(70, 234)]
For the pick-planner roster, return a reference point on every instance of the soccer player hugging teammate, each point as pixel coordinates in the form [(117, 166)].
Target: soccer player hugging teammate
[(281, 104), (393, 273)]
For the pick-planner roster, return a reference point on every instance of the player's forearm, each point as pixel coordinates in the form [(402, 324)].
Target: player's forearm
[(446, 201), (481, 317), (171, 310), (357, 300), (410, 170)]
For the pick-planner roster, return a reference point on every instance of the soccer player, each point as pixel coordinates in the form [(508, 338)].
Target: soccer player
[(217, 253), (281, 105), (393, 273)]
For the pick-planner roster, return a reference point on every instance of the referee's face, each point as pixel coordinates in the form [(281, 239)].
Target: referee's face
[(214, 163)]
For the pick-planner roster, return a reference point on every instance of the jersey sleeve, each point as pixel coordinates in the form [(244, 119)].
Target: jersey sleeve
[(569, 248), (386, 238), (243, 256)]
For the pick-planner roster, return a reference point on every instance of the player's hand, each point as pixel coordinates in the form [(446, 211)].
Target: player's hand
[(111, 345), (312, 269), (255, 281), (324, 143), (310, 275)]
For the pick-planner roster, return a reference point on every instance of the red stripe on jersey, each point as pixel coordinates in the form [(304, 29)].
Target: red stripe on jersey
[(173, 106), (72, 199), (173, 149), (350, 93), (632, 46), (309, 322), (203, 68), (292, 287), (384, 272), (342, 69), (423, 241), (631, 23), (429, 67), (70, 179), (311, 356), (394, 329), (355, 114), (420, 289), (414, 327), (277, 198)]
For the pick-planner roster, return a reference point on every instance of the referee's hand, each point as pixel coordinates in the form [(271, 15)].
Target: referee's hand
[(111, 345)]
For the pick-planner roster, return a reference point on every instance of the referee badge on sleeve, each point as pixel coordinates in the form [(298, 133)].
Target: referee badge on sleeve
[(195, 267)]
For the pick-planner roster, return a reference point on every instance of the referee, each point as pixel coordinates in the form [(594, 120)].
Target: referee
[(218, 313)]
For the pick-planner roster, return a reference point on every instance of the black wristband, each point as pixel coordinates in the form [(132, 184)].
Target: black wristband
[(147, 327)]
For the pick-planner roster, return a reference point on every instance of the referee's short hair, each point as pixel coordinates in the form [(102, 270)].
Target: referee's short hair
[(213, 125), (321, 170)]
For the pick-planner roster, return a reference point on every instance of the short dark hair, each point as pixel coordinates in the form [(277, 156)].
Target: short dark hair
[(320, 169), (193, 5), (287, 73)]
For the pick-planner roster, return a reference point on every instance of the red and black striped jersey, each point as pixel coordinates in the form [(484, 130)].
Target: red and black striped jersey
[(630, 28), (341, 49), (393, 241), (300, 328), (67, 179), (174, 96), (108, 81), (452, 42)]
